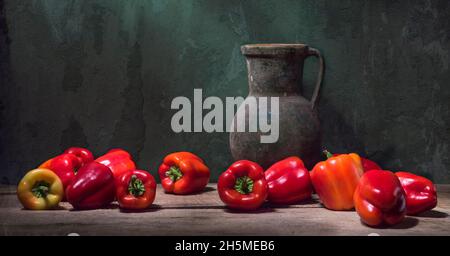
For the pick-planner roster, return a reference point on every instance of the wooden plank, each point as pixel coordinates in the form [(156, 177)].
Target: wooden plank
[(205, 214)]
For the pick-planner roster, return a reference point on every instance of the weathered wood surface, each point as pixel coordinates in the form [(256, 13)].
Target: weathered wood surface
[(204, 214)]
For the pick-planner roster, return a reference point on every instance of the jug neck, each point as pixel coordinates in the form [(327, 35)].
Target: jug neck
[(274, 69), (274, 76)]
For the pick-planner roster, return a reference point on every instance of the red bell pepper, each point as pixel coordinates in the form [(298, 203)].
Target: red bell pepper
[(367, 164), (243, 186), (288, 181), (380, 199), (183, 173), (335, 180), (118, 160), (65, 166), (420, 193), (120, 150), (93, 187), (84, 155), (136, 190)]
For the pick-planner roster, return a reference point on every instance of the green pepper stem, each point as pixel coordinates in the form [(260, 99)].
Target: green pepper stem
[(136, 186), (41, 189), (244, 185), (327, 153), (174, 173)]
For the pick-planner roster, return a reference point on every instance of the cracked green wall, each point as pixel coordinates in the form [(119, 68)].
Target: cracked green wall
[(103, 74)]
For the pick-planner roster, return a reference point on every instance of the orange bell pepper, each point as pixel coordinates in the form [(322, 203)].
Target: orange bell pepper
[(183, 173), (336, 179)]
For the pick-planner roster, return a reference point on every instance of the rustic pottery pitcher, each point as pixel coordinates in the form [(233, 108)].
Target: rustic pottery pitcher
[(276, 70)]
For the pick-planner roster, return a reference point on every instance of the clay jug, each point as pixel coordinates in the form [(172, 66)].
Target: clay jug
[(276, 70)]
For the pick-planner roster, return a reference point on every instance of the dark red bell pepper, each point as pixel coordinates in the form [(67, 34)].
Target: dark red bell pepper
[(93, 187), (118, 160), (380, 199), (367, 164), (243, 186), (65, 166), (183, 173), (84, 155), (288, 181), (420, 192), (136, 190)]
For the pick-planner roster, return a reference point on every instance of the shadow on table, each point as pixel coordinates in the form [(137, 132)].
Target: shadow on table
[(263, 209), (181, 207), (208, 189), (205, 190), (433, 214), (256, 211), (57, 208), (407, 223), (311, 203), (111, 206), (153, 208)]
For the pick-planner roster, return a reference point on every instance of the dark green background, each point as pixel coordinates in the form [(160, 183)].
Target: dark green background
[(102, 74)]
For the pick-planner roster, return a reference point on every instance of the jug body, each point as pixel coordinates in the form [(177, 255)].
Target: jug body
[(276, 70)]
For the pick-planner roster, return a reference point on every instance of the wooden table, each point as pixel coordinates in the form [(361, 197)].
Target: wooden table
[(204, 214)]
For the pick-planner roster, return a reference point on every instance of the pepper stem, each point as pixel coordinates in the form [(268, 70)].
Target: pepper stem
[(244, 185), (41, 189), (174, 173), (327, 153), (136, 187)]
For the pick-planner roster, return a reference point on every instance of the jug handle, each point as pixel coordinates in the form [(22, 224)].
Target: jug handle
[(314, 52)]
